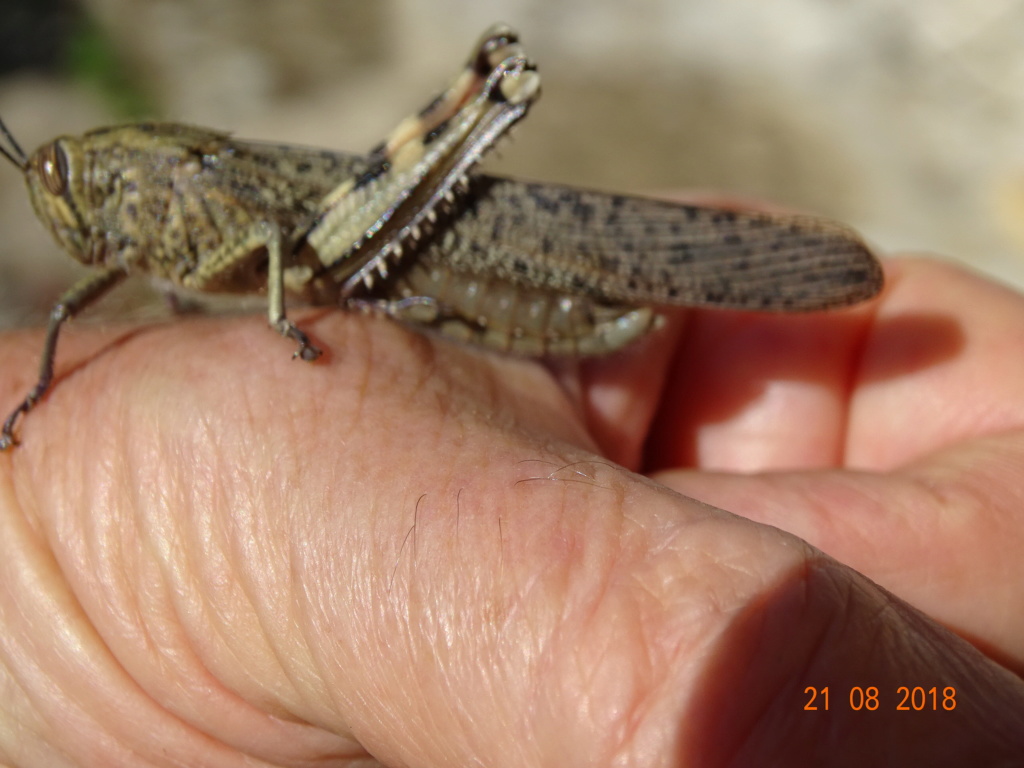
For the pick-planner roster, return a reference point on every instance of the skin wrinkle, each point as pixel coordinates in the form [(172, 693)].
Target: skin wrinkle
[(454, 708), (242, 539), (232, 552), (629, 716), (964, 501), (191, 614), (307, 610), (94, 545), (182, 643), (159, 539), (21, 665), (349, 574), (210, 617), (818, 507), (523, 599), (206, 553), (593, 623), (91, 720), (948, 499)]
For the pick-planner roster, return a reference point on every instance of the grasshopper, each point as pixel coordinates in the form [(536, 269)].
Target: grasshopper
[(411, 231)]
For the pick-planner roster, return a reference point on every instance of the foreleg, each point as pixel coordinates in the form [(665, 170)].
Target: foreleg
[(80, 295)]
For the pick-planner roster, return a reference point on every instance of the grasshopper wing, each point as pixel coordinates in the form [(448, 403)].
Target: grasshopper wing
[(640, 251)]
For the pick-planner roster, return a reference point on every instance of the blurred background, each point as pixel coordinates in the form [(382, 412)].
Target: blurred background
[(904, 118)]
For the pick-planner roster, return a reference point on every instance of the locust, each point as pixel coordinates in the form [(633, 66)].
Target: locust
[(413, 231)]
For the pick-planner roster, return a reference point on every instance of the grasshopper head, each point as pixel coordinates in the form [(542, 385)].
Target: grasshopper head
[(51, 176), (54, 186)]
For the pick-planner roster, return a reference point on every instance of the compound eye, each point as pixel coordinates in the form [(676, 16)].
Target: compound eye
[(53, 169)]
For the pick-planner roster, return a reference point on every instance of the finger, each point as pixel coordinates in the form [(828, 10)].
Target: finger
[(934, 361), (168, 476), (406, 548), (942, 364), (748, 392), (944, 534), (729, 390), (618, 395)]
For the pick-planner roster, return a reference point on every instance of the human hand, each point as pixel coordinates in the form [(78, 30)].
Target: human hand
[(419, 552)]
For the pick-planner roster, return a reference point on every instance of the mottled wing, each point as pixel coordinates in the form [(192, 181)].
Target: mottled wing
[(633, 250)]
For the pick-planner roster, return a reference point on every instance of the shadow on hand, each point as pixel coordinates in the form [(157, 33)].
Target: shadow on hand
[(829, 669), (727, 360)]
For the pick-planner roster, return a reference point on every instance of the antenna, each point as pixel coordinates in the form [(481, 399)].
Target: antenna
[(18, 157)]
